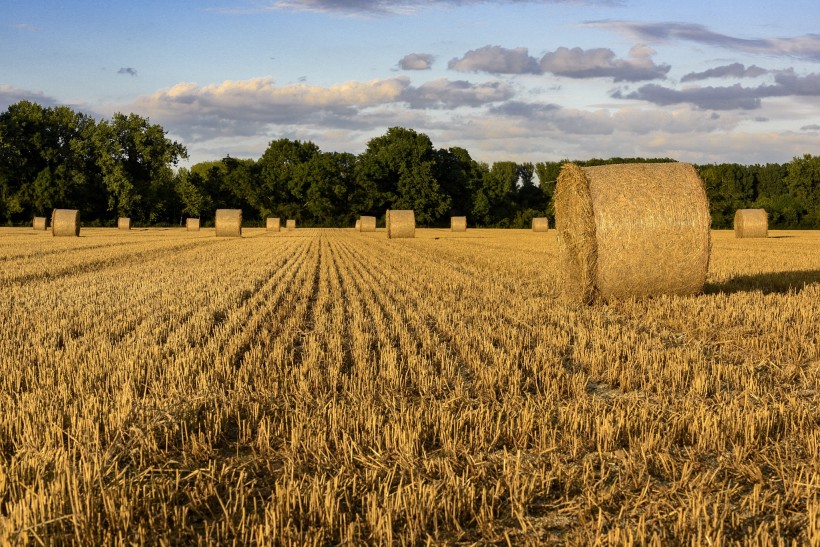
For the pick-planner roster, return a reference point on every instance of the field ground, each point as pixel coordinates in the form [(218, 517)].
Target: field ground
[(323, 386)]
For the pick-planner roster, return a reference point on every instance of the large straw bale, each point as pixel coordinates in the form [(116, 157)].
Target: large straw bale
[(458, 224), (272, 224), (40, 223), (367, 224), (540, 224), (229, 222), (192, 224), (65, 222), (400, 223), (291, 224), (632, 230), (751, 223), (124, 223)]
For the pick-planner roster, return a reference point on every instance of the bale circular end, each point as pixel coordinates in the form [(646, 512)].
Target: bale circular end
[(400, 223), (65, 222), (458, 224), (192, 224), (541, 224), (40, 223), (228, 222), (358, 226), (751, 223), (632, 230), (272, 224), (124, 223), (367, 224)]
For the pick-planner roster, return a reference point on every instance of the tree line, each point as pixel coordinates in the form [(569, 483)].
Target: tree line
[(56, 157)]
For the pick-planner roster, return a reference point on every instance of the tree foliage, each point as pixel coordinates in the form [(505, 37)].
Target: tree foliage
[(55, 157)]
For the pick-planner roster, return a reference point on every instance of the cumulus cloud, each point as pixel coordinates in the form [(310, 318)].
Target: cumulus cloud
[(496, 60), (25, 27), (10, 95), (804, 47), (810, 127), (443, 93), (734, 97), (734, 70), (602, 63), (127, 70), (416, 61), (572, 63)]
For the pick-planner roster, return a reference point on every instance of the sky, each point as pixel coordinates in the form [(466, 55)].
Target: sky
[(702, 81)]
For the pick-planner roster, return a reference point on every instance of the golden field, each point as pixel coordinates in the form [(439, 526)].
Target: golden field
[(324, 386)]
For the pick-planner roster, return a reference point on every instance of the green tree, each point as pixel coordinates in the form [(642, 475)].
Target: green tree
[(803, 182)]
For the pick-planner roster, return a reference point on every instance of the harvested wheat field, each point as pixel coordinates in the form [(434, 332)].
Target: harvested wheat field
[(326, 387)]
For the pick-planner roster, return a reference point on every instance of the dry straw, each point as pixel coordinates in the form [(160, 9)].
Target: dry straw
[(124, 223), (541, 224), (358, 225), (65, 222), (751, 223), (229, 223), (458, 224), (632, 230), (367, 224), (272, 224), (40, 223), (192, 224), (400, 223), (291, 224)]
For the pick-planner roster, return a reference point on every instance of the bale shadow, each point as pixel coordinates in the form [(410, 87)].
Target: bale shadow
[(782, 237), (767, 283)]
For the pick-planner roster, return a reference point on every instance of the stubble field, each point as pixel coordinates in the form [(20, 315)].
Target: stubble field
[(323, 386)]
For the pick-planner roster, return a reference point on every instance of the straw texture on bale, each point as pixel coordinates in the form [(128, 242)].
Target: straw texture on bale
[(229, 223), (367, 224), (192, 224), (751, 223), (632, 230), (65, 222), (40, 223), (291, 224), (458, 224), (358, 225), (540, 224), (124, 223), (272, 224), (400, 223)]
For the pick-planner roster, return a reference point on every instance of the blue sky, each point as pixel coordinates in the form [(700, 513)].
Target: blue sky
[(699, 81)]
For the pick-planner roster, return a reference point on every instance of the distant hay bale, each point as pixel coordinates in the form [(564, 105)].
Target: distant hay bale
[(358, 225), (192, 224), (272, 224), (291, 224), (65, 222), (458, 224), (40, 223), (367, 224), (632, 230), (541, 224), (229, 223), (124, 223), (751, 223), (400, 223)]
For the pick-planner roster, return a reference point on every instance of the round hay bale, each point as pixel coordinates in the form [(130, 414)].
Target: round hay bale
[(65, 222), (272, 224), (401, 223), (632, 230), (541, 224), (367, 224), (359, 225), (124, 223), (192, 224), (291, 224), (40, 223), (458, 224), (751, 223), (229, 223)]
